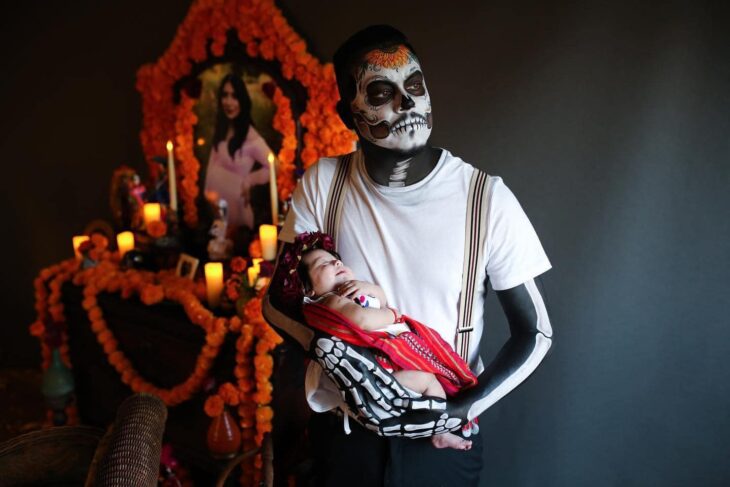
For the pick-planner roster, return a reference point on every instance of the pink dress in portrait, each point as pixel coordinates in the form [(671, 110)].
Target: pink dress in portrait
[(231, 177)]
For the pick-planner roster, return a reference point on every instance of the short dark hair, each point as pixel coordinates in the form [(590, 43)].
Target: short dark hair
[(303, 270), (350, 54)]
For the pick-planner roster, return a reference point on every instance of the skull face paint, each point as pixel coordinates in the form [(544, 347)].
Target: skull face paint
[(392, 108)]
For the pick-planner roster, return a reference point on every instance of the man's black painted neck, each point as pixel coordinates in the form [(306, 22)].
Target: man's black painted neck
[(380, 162)]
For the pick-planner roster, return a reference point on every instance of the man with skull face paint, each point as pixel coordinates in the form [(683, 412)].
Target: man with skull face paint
[(405, 209)]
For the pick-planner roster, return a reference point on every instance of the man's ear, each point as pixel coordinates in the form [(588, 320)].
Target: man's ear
[(343, 110)]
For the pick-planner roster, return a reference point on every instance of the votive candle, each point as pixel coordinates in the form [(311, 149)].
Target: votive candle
[(77, 241), (267, 235), (152, 212), (253, 273), (125, 242), (257, 263), (214, 283)]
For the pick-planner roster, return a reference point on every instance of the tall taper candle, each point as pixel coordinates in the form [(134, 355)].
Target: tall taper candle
[(272, 188), (171, 179)]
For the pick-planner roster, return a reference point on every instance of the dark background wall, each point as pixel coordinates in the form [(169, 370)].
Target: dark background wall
[(609, 121)]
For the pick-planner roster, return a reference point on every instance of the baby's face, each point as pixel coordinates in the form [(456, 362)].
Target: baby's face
[(326, 272)]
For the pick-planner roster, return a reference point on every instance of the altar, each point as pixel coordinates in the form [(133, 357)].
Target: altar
[(165, 299)]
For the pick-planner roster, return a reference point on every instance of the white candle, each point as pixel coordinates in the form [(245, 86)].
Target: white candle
[(125, 242), (214, 282), (171, 180), (267, 235), (151, 212), (253, 273), (272, 188), (77, 241)]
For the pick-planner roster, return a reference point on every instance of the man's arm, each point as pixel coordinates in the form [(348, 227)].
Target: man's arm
[(531, 336)]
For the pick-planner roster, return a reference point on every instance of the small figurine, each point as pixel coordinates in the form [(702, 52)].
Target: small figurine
[(220, 247), (136, 190), (126, 198)]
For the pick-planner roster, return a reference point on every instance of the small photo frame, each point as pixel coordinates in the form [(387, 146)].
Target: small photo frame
[(186, 266)]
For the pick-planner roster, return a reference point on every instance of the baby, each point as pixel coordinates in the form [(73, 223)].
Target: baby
[(328, 282)]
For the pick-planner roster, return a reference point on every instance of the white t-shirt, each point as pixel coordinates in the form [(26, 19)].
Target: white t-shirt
[(410, 241)]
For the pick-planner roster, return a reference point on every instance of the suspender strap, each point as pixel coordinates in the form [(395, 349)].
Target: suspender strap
[(474, 243), (336, 196), (477, 214)]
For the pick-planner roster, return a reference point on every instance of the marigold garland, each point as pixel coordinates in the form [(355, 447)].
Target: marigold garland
[(253, 369), (185, 120), (48, 306), (284, 123)]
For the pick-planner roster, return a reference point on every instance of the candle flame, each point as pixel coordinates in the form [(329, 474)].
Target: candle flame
[(271, 157), (169, 145)]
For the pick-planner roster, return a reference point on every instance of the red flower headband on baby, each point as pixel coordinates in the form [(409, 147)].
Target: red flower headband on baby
[(286, 282)]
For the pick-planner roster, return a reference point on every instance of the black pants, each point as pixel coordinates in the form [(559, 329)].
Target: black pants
[(364, 459)]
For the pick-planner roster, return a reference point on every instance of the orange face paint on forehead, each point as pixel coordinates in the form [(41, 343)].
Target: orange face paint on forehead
[(392, 58)]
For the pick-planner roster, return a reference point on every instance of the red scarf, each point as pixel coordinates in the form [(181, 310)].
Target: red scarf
[(419, 349)]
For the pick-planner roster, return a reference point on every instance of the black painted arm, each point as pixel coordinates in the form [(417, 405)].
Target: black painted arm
[(530, 339)]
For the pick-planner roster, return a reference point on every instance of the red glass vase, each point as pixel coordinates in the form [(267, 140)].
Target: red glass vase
[(224, 436)]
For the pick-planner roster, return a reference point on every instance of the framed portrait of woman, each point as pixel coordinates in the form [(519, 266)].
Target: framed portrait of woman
[(234, 142)]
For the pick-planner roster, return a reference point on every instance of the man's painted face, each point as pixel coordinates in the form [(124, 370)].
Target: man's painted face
[(392, 108)]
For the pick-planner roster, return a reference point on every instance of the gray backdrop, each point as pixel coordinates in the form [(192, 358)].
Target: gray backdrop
[(609, 122)]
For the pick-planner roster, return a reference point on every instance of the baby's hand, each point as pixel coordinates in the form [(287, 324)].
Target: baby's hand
[(352, 289)]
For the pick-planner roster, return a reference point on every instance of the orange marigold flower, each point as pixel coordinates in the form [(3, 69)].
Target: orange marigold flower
[(214, 406), (264, 414), (232, 292), (254, 249), (152, 294), (99, 241), (157, 229), (252, 310), (37, 329), (235, 324), (229, 394), (238, 264)]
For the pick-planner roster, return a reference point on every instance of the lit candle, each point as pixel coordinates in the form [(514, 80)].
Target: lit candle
[(214, 282), (171, 180), (257, 264), (267, 235), (125, 242), (272, 188), (253, 273), (151, 212), (77, 241)]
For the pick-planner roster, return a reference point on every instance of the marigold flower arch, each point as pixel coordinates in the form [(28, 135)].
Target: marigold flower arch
[(262, 28)]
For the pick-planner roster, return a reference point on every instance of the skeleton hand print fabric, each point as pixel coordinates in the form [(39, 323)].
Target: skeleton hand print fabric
[(376, 400)]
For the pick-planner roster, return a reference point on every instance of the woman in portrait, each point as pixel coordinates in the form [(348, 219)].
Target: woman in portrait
[(235, 150)]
